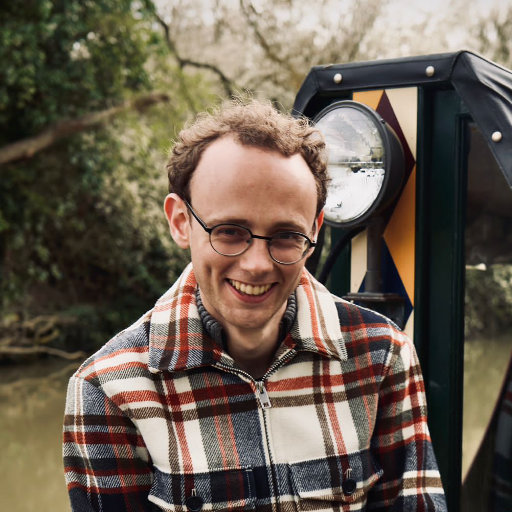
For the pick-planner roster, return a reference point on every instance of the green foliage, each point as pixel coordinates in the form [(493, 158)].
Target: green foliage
[(84, 224), (82, 231), (62, 58)]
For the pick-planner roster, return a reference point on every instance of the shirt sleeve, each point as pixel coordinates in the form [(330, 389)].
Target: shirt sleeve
[(106, 463), (401, 442)]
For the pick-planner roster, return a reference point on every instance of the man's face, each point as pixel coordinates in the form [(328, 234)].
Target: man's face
[(267, 193)]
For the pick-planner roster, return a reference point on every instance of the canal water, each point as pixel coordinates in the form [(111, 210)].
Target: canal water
[(32, 403)]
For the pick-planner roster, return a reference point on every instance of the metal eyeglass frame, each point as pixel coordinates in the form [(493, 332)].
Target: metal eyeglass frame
[(269, 239)]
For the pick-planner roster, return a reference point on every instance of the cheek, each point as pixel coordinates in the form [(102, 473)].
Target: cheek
[(207, 263), (200, 250), (293, 275)]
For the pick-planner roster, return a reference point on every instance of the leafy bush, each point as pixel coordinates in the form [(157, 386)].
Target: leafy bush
[(82, 232)]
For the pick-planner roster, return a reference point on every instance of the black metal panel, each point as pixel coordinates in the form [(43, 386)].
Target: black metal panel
[(404, 72), (483, 86), (486, 89)]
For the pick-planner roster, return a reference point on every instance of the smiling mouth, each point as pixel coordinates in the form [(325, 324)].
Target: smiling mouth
[(249, 289)]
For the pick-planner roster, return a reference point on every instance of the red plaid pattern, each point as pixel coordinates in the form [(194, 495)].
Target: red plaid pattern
[(161, 418)]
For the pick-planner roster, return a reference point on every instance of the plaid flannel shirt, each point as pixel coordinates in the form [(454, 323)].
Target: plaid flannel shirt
[(161, 418)]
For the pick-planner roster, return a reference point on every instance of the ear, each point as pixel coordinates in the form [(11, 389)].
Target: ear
[(178, 220), (319, 221)]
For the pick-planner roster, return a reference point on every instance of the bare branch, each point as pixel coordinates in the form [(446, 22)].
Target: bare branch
[(227, 84), (27, 148), (250, 15)]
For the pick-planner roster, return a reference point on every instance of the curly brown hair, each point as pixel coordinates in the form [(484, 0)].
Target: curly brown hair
[(254, 123)]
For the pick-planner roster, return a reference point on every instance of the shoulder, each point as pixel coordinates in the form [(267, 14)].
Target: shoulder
[(350, 330), (367, 331), (124, 352), (352, 314)]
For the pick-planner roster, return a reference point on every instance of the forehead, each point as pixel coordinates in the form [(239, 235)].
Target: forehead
[(232, 179)]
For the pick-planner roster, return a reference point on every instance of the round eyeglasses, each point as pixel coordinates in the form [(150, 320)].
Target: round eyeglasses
[(284, 247)]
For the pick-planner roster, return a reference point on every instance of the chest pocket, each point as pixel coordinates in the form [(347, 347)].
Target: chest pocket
[(319, 484), (214, 490)]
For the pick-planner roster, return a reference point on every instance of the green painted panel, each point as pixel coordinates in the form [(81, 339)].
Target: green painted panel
[(439, 322), (339, 281)]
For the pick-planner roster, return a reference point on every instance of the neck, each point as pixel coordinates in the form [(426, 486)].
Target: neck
[(253, 351)]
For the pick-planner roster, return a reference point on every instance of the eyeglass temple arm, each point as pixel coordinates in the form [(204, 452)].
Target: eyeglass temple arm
[(194, 214)]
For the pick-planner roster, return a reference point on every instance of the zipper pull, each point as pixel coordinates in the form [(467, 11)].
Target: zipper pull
[(263, 395)]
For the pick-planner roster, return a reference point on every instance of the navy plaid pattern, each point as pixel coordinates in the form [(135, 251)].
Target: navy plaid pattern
[(161, 418)]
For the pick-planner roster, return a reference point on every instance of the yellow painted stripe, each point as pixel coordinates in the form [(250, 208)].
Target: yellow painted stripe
[(358, 261), (400, 235), (409, 326)]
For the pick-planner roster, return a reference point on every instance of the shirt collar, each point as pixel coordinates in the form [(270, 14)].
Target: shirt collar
[(215, 330), (178, 339)]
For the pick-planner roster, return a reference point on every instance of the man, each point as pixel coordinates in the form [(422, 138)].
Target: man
[(248, 386)]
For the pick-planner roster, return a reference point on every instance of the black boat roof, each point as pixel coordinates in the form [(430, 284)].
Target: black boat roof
[(484, 87)]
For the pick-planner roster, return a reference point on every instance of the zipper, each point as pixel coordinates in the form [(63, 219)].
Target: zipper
[(263, 395), (279, 363), (265, 403), (260, 384), (261, 390)]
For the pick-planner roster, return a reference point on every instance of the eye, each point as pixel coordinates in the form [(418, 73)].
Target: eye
[(288, 240), (290, 236), (228, 232)]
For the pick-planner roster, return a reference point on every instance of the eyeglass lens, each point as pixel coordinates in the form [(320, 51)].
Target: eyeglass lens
[(232, 240)]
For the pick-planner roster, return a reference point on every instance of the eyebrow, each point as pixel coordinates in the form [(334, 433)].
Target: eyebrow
[(280, 226)]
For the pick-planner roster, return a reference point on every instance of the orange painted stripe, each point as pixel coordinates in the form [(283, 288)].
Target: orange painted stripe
[(400, 235), (369, 98)]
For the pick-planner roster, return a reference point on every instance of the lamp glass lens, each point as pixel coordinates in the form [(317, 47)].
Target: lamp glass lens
[(356, 162)]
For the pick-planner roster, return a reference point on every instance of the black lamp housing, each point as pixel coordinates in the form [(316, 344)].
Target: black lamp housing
[(372, 215), (393, 162)]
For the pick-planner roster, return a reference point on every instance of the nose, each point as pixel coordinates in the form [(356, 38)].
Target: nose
[(256, 259)]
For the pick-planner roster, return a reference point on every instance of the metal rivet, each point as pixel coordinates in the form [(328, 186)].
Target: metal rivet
[(337, 78), (496, 137), (430, 70)]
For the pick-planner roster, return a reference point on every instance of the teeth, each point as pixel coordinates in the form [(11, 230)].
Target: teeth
[(249, 289)]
